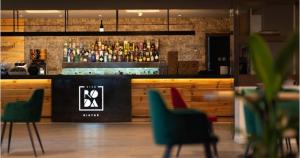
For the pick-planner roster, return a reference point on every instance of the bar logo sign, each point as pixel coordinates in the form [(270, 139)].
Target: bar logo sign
[(91, 98)]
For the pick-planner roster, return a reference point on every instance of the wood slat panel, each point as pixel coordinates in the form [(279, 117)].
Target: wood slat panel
[(12, 48), (213, 96), (21, 89)]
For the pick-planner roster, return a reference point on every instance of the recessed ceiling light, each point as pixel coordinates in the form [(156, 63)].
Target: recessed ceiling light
[(42, 11), (179, 15), (140, 14), (143, 11)]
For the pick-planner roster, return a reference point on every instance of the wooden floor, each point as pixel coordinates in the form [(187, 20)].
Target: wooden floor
[(109, 140)]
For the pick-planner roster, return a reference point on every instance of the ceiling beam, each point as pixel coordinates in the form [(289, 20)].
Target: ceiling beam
[(114, 4)]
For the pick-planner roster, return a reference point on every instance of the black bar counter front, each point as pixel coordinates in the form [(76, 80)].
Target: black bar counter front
[(91, 99)]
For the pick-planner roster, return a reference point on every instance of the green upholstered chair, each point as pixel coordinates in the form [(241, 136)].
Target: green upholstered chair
[(253, 125), (24, 111), (178, 127)]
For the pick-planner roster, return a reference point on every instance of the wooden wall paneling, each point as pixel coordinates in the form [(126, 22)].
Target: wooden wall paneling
[(21, 89), (12, 48), (193, 91)]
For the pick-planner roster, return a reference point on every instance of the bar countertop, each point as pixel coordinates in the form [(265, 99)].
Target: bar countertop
[(113, 76)]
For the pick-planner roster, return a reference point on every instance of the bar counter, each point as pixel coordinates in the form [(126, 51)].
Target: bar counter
[(130, 76), (197, 91)]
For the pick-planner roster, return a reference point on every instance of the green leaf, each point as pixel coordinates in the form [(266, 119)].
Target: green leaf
[(286, 55), (277, 81), (263, 63)]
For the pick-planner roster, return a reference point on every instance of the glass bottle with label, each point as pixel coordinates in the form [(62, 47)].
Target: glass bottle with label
[(65, 52), (101, 58), (156, 57)]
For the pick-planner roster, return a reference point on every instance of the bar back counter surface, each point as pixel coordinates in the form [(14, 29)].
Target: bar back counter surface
[(118, 98)]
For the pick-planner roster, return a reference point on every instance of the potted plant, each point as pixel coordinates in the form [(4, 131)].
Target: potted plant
[(272, 72)]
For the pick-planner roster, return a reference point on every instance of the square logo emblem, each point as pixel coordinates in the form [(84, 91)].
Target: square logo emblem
[(91, 98)]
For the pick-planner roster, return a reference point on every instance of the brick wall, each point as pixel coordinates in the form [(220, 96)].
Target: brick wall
[(189, 47)]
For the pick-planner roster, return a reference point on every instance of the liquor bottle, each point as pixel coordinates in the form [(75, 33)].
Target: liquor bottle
[(135, 56), (65, 52), (99, 44), (141, 45), (125, 45), (101, 28), (89, 57), (144, 46), (156, 57), (69, 55), (96, 47), (144, 56), (93, 56), (127, 57), (152, 48), (85, 58), (101, 58), (102, 46), (112, 56), (81, 54), (148, 45), (105, 56), (156, 44), (73, 44), (97, 55), (151, 56), (140, 57)]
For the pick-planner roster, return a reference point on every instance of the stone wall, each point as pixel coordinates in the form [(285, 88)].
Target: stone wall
[(189, 47)]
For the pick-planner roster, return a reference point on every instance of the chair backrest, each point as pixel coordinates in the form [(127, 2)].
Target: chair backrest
[(35, 104), (177, 100), (253, 125), (291, 110), (159, 114)]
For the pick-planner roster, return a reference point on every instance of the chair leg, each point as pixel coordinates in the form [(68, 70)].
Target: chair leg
[(287, 144), (30, 135), (215, 149), (178, 151), (38, 136), (297, 141), (3, 131), (168, 151), (9, 136), (207, 150), (247, 149), (281, 146)]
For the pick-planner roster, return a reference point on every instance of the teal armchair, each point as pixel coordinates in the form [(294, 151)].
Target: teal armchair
[(178, 127), (254, 127), (24, 111)]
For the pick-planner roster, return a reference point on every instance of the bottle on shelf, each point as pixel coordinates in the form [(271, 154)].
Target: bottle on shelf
[(111, 51), (65, 55)]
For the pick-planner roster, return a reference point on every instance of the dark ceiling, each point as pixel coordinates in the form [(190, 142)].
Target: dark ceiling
[(137, 4), (116, 4)]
